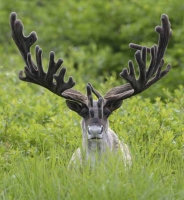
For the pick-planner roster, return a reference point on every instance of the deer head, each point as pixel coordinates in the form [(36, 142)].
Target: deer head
[(95, 113)]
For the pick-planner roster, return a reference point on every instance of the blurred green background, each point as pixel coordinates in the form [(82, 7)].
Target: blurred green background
[(93, 37)]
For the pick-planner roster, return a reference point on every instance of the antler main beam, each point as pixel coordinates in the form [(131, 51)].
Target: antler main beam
[(34, 73), (147, 77)]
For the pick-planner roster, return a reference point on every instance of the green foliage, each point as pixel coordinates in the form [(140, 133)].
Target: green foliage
[(38, 133)]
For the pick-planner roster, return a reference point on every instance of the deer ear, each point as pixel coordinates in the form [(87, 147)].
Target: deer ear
[(78, 108), (74, 106), (113, 105)]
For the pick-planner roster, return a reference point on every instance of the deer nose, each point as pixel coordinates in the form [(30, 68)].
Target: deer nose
[(95, 132)]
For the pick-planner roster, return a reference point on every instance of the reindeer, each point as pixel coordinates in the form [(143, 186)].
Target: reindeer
[(97, 137)]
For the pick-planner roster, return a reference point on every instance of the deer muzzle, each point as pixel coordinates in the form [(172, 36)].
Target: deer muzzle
[(95, 132)]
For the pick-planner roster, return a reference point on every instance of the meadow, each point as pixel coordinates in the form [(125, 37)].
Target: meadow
[(38, 133)]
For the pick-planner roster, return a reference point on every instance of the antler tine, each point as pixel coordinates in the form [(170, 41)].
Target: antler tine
[(165, 33), (35, 73), (138, 47), (90, 100), (97, 94), (23, 43)]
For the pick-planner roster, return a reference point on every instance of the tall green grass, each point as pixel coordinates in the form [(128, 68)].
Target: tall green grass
[(41, 178)]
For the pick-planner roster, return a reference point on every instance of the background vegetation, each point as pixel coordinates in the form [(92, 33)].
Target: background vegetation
[(93, 36), (36, 137)]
